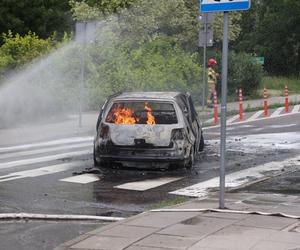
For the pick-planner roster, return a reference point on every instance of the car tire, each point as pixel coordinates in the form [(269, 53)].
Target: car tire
[(201, 144), (96, 162), (191, 159)]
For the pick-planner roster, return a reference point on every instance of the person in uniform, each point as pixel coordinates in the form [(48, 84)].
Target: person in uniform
[(211, 80)]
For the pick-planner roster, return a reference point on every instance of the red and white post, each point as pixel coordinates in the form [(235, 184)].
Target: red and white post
[(266, 112), (286, 93), (241, 104), (216, 119)]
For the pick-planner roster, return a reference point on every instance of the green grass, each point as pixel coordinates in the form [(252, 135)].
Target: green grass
[(170, 202), (277, 84)]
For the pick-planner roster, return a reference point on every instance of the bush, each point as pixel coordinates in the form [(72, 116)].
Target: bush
[(157, 65), (17, 50), (243, 73)]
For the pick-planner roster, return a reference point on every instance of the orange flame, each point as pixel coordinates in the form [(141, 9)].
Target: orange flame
[(121, 115), (124, 116), (150, 117)]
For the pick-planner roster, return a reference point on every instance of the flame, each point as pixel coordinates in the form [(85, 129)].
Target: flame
[(150, 117), (121, 115), (124, 116)]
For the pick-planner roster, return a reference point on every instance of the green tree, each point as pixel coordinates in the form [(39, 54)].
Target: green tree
[(18, 50), (271, 28), (39, 16), (160, 64)]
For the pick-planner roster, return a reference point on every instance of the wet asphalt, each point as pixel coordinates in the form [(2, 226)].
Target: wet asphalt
[(45, 194)]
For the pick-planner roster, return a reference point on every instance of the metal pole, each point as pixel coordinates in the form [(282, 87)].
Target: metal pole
[(204, 91), (82, 65), (223, 110)]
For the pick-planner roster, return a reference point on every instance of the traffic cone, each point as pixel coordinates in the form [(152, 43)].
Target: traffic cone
[(241, 104), (286, 93), (266, 112), (216, 119)]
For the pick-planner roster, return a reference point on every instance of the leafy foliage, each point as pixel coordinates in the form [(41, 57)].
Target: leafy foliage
[(18, 50), (272, 29), (157, 65), (39, 16), (243, 73)]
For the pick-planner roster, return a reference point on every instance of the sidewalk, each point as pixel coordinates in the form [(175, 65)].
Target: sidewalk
[(189, 228)]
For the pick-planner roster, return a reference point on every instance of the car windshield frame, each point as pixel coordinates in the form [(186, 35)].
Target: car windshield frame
[(147, 108)]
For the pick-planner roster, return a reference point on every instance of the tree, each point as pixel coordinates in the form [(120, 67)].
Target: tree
[(39, 16), (17, 50), (271, 28)]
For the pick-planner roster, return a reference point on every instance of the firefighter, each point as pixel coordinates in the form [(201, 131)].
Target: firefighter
[(211, 80)]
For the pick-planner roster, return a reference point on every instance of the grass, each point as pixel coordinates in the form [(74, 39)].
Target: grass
[(170, 202), (276, 84)]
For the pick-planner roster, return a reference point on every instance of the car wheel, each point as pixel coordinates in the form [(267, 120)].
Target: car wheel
[(96, 162), (201, 145), (191, 160)]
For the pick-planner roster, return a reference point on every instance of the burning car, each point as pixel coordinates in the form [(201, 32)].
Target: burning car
[(149, 129)]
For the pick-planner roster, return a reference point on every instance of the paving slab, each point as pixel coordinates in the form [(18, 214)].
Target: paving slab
[(285, 237), (161, 220), (167, 241), (146, 248), (232, 242), (272, 245), (270, 222), (103, 243), (127, 231), (228, 216), (197, 227)]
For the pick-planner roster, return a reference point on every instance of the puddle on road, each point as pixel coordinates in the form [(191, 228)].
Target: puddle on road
[(262, 143)]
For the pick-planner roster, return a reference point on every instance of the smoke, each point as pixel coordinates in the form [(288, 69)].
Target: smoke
[(50, 85)]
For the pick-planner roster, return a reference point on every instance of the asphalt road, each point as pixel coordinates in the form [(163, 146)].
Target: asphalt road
[(56, 176)]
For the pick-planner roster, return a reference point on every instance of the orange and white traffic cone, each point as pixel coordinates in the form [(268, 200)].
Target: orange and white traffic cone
[(266, 112), (216, 119), (286, 93), (241, 104)]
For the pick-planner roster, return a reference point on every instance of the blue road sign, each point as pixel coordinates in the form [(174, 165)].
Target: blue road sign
[(224, 5)]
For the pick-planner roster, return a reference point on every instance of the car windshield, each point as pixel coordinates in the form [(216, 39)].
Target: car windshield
[(142, 112)]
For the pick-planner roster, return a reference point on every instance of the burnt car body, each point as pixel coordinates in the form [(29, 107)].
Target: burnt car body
[(157, 128)]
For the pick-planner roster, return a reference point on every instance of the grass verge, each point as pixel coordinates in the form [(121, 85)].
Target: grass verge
[(278, 83), (170, 202)]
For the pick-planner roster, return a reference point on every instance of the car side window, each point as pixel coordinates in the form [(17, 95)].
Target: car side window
[(193, 110), (184, 107)]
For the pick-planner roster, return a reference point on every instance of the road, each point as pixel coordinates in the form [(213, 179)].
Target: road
[(54, 175)]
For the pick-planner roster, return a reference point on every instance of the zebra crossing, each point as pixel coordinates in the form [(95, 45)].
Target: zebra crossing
[(43, 158), (258, 115)]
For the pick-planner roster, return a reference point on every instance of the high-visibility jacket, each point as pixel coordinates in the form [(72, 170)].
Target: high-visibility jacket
[(211, 77)]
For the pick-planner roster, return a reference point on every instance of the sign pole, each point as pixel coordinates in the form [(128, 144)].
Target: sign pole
[(204, 92), (223, 109)]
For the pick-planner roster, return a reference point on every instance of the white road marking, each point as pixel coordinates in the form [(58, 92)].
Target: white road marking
[(18, 163), (210, 120), (255, 116), (237, 178), (277, 112), (296, 109), (147, 184), (247, 121), (82, 179), (44, 150), (43, 144), (232, 119), (40, 171)]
